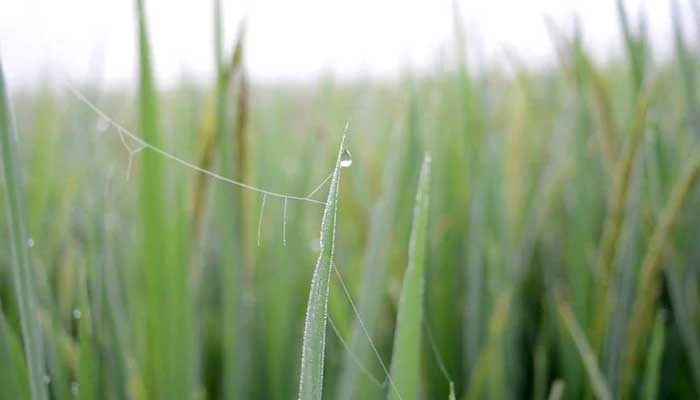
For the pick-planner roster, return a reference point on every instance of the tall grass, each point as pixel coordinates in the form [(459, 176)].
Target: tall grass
[(314, 342), (23, 276), (405, 361), (167, 305), (556, 257)]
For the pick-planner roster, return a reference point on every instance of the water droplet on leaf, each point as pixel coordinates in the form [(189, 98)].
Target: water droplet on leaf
[(345, 158), (76, 313)]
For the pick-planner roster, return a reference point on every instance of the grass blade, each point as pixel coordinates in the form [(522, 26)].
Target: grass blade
[(557, 391), (405, 362), (488, 363), (230, 207), (649, 281), (314, 342), (610, 238), (650, 389), (600, 386), (167, 364), (21, 266), (13, 376), (398, 175)]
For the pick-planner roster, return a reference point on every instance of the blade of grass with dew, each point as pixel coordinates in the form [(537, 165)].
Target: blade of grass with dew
[(600, 386), (22, 276), (650, 387), (314, 342), (649, 282), (405, 361)]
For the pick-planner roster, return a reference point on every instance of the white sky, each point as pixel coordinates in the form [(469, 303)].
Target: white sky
[(292, 39)]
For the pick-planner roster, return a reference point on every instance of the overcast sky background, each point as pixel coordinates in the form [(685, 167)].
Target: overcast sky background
[(295, 40)]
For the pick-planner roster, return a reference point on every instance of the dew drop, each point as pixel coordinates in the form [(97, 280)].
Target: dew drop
[(345, 158), (76, 313), (30, 242), (47, 379)]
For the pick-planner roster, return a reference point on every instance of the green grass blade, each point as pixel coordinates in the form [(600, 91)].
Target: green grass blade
[(167, 364), (689, 333), (600, 386), (314, 342), (612, 229), (650, 388), (13, 371), (634, 45), (88, 372), (649, 279), (557, 390), (229, 208), (153, 222), (405, 362), (488, 360), (23, 279), (398, 176), (687, 67)]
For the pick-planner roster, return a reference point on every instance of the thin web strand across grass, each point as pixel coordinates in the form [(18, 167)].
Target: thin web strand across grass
[(366, 332), (142, 145)]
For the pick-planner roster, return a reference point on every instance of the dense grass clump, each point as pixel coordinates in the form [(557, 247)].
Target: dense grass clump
[(512, 233)]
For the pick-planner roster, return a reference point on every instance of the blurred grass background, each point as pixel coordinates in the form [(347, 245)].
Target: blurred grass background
[(562, 256)]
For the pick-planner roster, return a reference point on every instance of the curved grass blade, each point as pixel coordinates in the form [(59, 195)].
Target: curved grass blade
[(405, 362), (649, 280), (21, 266), (600, 386), (616, 215), (314, 343)]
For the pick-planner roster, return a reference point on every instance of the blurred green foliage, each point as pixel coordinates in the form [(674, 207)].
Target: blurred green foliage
[(561, 260)]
